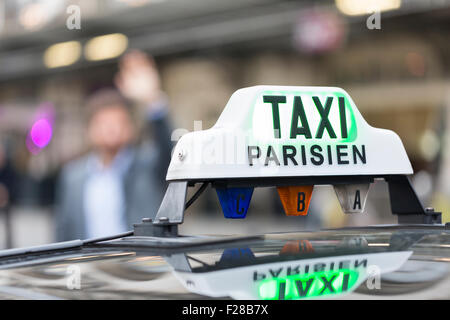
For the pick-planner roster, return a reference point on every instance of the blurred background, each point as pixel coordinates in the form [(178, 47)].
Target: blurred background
[(396, 67)]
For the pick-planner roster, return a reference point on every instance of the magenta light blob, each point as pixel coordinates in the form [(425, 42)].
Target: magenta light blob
[(41, 133)]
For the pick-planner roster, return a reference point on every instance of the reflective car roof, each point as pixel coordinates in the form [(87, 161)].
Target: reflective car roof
[(414, 263)]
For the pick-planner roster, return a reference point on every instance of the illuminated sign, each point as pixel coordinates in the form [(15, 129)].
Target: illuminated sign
[(316, 284), (282, 131), (288, 132)]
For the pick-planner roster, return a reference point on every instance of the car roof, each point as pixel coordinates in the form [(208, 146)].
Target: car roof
[(143, 262)]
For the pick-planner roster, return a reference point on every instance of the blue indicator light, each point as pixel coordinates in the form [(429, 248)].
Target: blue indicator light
[(234, 201), (235, 255)]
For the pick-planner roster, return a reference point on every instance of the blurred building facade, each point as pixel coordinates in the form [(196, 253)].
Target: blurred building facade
[(399, 77)]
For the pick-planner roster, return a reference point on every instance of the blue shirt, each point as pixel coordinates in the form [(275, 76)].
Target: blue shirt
[(103, 198)]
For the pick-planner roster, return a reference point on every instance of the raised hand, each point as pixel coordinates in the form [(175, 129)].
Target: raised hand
[(138, 79)]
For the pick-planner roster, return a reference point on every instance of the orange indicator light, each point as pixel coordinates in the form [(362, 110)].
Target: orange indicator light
[(295, 199), (296, 247)]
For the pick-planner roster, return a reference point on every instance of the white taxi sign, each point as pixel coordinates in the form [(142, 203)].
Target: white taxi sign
[(288, 131)]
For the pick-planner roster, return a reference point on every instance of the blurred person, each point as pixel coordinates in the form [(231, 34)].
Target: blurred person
[(8, 180), (119, 181)]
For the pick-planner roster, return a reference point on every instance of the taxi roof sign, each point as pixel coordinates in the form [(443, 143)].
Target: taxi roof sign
[(284, 131), (291, 138)]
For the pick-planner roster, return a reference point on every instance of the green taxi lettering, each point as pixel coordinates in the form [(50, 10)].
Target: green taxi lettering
[(299, 121), (317, 284)]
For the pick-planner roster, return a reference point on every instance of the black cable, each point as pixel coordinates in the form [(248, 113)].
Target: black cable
[(196, 195), (199, 261), (116, 236)]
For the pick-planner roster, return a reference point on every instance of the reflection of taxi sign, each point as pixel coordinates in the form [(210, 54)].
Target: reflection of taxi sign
[(299, 278), (291, 138)]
